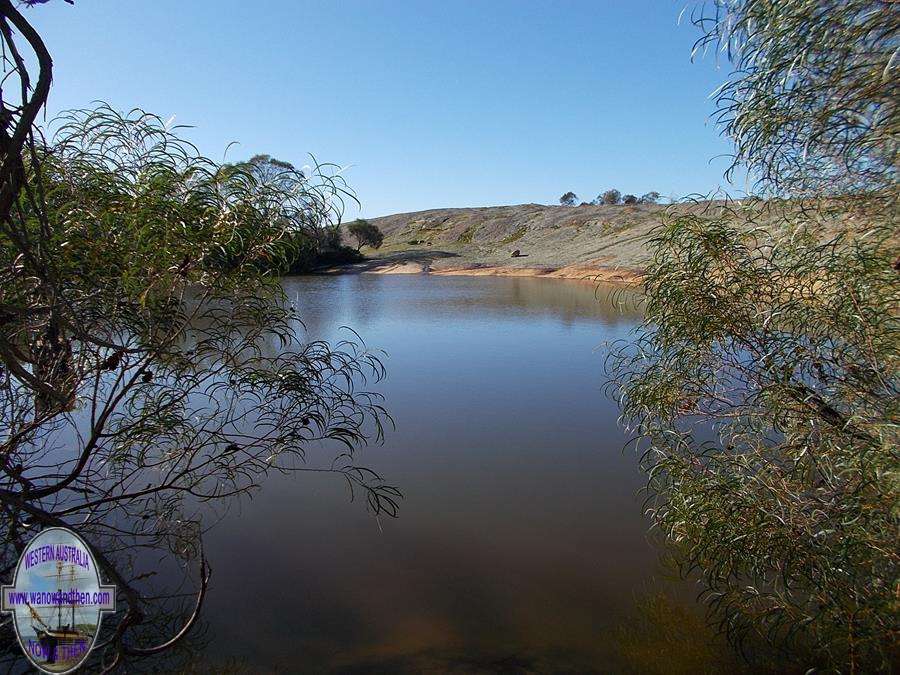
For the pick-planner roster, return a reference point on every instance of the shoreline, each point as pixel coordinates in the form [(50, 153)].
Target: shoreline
[(577, 272)]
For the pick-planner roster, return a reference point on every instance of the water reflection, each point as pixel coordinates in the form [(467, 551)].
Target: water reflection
[(364, 298), (520, 545)]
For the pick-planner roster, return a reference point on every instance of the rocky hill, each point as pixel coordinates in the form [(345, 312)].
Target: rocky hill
[(551, 239)]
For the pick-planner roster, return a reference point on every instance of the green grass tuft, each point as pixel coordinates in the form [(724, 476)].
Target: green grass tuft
[(468, 235), (515, 236)]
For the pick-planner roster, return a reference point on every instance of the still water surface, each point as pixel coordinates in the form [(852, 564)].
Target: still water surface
[(520, 546)]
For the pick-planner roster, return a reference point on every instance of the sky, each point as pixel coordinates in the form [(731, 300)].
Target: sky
[(424, 104)]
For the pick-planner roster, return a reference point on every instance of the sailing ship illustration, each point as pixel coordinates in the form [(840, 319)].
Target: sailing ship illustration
[(65, 642)]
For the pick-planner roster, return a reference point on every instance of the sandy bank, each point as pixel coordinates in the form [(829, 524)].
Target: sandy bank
[(449, 267), (584, 272)]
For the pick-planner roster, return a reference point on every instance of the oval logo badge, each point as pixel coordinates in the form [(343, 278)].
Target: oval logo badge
[(57, 600)]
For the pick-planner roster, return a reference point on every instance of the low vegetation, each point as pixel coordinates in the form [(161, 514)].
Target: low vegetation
[(467, 235), (515, 236)]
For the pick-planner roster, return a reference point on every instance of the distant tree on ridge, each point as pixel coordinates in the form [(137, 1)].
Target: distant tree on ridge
[(610, 197), (568, 199)]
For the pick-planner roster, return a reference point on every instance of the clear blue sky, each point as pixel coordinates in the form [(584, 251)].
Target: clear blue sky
[(434, 104)]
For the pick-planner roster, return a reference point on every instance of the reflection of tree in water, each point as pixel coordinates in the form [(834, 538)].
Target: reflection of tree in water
[(443, 297), (151, 372), (570, 300), (573, 300)]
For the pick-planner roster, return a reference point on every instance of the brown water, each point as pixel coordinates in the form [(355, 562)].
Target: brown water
[(520, 546)]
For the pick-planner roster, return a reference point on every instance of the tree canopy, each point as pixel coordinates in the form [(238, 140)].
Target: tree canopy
[(762, 385), (152, 368), (568, 199), (811, 103), (610, 197), (366, 234)]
